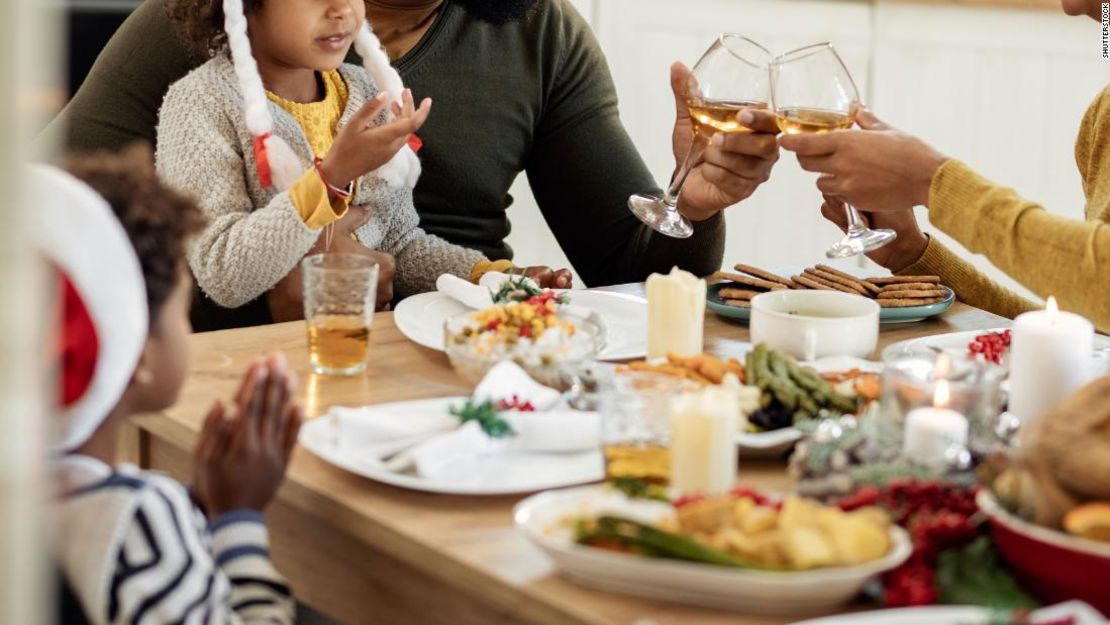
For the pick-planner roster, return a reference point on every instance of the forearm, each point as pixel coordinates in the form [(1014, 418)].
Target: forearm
[(1049, 254), (258, 593), (582, 177), (241, 255), (972, 287), (421, 258)]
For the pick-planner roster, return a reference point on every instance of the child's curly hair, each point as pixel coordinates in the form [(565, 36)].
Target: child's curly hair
[(201, 22), (158, 220)]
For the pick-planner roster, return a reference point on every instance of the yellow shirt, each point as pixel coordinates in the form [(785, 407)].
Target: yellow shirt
[(1049, 254), (320, 123)]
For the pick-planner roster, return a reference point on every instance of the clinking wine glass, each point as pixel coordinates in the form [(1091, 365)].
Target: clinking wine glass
[(812, 92), (730, 77)]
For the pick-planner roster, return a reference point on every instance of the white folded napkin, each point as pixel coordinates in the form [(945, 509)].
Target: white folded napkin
[(466, 293), (553, 431), (507, 379), (378, 432)]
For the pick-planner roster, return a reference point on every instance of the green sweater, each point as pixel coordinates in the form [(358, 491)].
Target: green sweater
[(534, 95)]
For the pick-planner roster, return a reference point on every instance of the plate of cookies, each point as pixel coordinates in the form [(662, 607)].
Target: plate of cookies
[(903, 299)]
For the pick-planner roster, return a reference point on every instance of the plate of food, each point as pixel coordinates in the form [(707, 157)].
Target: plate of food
[(737, 551), (421, 319), (785, 391), (903, 299), (439, 446), (991, 345)]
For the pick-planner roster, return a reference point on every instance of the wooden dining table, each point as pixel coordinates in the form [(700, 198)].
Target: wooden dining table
[(363, 552)]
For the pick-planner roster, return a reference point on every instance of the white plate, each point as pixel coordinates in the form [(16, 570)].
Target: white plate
[(421, 318), (778, 442), (541, 517), (1083, 613), (955, 343), (502, 473)]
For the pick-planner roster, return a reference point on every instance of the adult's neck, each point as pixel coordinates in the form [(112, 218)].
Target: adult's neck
[(400, 24)]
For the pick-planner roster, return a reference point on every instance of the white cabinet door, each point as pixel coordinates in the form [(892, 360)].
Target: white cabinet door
[(781, 223), (1001, 89)]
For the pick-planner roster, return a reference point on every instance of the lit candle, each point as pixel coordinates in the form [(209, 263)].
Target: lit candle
[(703, 449), (676, 314), (931, 431), (1050, 358)]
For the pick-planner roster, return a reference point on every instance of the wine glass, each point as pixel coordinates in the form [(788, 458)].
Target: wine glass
[(813, 93), (730, 77)]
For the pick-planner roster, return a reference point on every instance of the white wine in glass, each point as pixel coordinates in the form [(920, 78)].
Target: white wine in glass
[(812, 92), (730, 77)]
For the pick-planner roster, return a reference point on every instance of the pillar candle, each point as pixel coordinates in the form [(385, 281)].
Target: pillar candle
[(676, 314), (932, 430), (1050, 358), (703, 447)]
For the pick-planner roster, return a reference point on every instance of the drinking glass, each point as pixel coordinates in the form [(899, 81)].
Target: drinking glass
[(636, 427), (812, 92), (339, 295), (730, 77)]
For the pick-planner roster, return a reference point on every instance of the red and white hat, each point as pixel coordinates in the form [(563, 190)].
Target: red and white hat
[(277, 163), (103, 300)]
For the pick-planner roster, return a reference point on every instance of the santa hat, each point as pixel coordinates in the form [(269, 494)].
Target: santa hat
[(276, 161), (103, 300)]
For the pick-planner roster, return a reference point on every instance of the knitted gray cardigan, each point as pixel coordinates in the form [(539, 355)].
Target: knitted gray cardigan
[(255, 236)]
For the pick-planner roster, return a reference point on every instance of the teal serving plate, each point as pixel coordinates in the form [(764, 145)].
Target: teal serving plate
[(886, 315)]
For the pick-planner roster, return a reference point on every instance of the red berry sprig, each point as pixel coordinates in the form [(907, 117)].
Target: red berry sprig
[(514, 403), (991, 346), (937, 515)]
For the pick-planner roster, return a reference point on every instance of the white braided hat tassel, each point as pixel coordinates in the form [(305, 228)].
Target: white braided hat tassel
[(285, 167), (404, 168)]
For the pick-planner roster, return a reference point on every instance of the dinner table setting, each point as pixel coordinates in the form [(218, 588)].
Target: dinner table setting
[(502, 452)]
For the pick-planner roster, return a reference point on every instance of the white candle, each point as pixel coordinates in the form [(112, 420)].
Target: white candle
[(931, 431), (676, 314), (1050, 358), (703, 449)]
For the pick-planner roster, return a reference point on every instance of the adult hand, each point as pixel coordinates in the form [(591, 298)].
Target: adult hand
[(549, 278), (245, 445), (286, 299), (734, 164), (896, 255), (875, 167)]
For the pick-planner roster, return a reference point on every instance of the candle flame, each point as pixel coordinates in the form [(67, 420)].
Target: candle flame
[(1051, 305), (941, 394)]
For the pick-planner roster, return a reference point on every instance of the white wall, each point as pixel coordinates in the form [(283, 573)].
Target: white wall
[(1003, 89)]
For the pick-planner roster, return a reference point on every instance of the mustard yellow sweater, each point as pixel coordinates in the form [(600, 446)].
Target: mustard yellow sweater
[(1049, 254)]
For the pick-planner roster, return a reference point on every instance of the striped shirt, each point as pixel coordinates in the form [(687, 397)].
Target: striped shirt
[(136, 550)]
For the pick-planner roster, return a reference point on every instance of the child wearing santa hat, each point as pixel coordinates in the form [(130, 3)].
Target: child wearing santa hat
[(289, 150), (133, 546)]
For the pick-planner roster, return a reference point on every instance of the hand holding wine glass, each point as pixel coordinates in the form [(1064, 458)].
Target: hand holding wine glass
[(812, 92), (729, 78)]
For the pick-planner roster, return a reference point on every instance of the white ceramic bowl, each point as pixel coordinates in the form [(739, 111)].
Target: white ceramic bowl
[(756, 592), (815, 324)]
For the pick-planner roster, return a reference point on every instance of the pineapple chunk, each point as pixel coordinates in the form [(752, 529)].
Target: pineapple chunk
[(760, 519), (807, 548), (858, 539)]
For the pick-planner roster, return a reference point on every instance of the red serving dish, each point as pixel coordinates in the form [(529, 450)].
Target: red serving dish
[(1050, 564)]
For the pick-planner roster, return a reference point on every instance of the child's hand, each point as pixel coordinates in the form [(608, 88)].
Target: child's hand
[(361, 147), (245, 447), (549, 278)]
